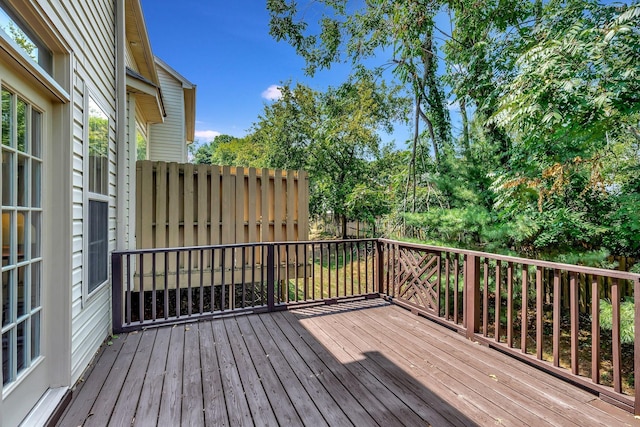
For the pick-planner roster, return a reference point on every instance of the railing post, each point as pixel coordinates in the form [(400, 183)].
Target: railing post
[(271, 277), (379, 264), (636, 345), (116, 292), (472, 295)]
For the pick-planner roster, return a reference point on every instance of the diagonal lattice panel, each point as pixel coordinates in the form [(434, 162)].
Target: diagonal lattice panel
[(417, 277)]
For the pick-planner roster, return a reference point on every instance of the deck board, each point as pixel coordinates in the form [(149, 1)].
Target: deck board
[(148, 404), (108, 396), (237, 405), (125, 409), (256, 396), (86, 393), (192, 400), (283, 408), (371, 394), (299, 396), (408, 352), (537, 398), (170, 400), (215, 412), (362, 363)]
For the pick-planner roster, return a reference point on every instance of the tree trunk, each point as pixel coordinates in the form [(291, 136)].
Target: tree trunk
[(465, 124), (344, 226)]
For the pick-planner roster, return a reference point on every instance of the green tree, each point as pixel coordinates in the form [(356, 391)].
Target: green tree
[(404, 29), (572, 110), (201, 153), (333, 135)]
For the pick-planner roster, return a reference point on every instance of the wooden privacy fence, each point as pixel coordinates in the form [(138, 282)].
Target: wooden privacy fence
[(185, 205)]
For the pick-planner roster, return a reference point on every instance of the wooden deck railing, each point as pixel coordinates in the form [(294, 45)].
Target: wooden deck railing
[(546, 314), (159, 286)]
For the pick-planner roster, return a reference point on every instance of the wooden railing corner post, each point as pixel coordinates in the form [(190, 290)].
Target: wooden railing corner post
[(472, 295), (116, 292), (636, 345), (271, 276)]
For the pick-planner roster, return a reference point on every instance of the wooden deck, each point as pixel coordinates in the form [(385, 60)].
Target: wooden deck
[(362, 363)]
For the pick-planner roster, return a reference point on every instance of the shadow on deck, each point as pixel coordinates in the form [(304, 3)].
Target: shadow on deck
[(360, 363)]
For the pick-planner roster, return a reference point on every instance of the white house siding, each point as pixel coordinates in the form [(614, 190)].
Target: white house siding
[(89, 30), (167, 140)]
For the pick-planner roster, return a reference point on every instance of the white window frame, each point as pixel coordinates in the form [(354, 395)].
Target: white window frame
[(29, 259), (88, 295)]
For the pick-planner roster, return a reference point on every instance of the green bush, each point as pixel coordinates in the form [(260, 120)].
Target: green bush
[(627, 308)]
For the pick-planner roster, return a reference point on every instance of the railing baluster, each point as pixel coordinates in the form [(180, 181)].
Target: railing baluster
[(485, 298), (242, 278), (286, 292), (557, 300), (166, 286), (575, 327), (337, 270), (213, 284), (154, 304), (270, 277), (446, 287), (509, 304), (498, 301), (178, 293), (189, 291), (297, 287), (351, 263), (456, 274), (615, 336), (595, 330), (141, 292), (438, 282), (305, 248), (636, 347), (128, 277), (344, 268), (263, 300), (539, 312), (524, 326), (329, 270), (201, 294), (222, 281), (359, 268), (232, 273)]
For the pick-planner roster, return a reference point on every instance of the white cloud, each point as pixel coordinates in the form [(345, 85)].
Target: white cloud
[(272, 93), (207, 135), (453, 105)]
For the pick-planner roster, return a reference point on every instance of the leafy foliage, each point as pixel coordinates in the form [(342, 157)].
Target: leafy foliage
[(545, 160), (627, 329)]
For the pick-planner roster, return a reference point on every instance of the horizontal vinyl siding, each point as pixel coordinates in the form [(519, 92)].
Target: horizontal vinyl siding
[(167, 140), (90, 32)]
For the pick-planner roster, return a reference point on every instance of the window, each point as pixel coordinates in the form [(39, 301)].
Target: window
[(98, 203), (21, 234), (13, 28)]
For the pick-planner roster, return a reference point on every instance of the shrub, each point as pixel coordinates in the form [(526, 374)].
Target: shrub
[(627, 309)]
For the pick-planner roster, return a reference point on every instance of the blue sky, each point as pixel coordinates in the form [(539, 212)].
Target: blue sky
[(224, 47)]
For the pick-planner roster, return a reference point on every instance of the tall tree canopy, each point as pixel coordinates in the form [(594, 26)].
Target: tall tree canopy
[(547, 153)]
